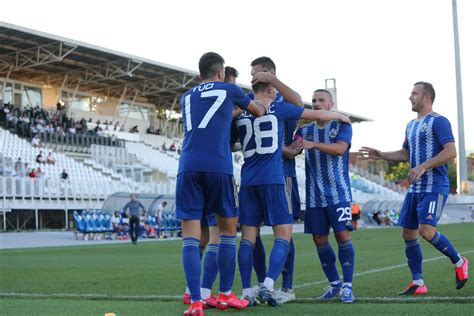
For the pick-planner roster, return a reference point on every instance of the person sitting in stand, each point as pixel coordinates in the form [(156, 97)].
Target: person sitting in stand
[(50, 159), (64, 175)]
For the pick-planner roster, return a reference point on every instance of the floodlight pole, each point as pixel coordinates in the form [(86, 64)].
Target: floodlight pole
[(461, 164)]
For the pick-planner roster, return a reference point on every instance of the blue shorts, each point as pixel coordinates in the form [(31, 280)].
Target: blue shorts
[(421, 208), (293, 195), (199, 193), (209, 220), (319, 220), (265, 203)]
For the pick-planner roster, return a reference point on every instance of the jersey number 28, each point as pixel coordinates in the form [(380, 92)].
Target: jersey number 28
[(254, 129)]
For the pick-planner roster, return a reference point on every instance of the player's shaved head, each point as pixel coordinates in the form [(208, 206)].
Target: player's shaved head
[(427, 89), (209, 64), (264, 62), (324, 91)]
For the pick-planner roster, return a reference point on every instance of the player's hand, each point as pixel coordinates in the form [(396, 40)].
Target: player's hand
[(369, 153), (296, 147), (304, 144), (236, 111), (415, 174), (263, 76)]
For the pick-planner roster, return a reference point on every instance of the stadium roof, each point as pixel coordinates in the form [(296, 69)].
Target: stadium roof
[(40, 58)]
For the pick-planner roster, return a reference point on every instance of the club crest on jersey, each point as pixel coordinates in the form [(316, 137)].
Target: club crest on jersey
[(332, 133), (424, 128)]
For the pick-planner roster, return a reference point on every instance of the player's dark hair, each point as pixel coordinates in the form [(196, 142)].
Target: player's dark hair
[(427, 89), (230, 72), (260, 86), (209, 64), (325, 91), (264, 62)]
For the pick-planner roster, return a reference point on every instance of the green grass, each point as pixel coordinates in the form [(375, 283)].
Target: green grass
[(130, 280)]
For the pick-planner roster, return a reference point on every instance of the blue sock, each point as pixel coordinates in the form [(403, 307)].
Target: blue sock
[(287, 273), (192, 266), (278, 256), (201, 251), (442, 243), (245, 263), (328, 262), (414, 258), (346, 259), (226, 262), (210, 266), (259, 260)]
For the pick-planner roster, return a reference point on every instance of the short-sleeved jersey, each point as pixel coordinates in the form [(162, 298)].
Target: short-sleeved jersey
[(327, 176), (207, 115), (424, 139), (261, 140), (289, 165)]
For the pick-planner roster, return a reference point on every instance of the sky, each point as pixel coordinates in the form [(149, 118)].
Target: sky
[(375, 49)]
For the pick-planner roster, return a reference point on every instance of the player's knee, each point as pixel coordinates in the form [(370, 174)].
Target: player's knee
[(427, 232), (320, 240), (409, 234), (343, 236)]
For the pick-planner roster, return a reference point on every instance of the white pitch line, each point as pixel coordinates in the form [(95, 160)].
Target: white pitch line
[(402, 265), (302, 299), (399, 299), (177, 298)]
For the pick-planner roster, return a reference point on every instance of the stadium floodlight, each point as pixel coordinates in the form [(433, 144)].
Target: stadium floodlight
[(461, 164)]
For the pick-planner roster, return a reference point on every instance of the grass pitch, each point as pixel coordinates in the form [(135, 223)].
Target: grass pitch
[(147, 279)]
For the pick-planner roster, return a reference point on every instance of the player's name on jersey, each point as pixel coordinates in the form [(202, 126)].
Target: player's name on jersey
[(204, 87), (270, 110)]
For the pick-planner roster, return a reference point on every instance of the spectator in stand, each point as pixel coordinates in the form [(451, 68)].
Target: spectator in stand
[(32, 174), (35, 142), (134, 129), (173, 147), (39, 173), (116, 126), (50, 159), (163, 147), (64, 175), (179, 150), (25, 171), (100, 132), (18, 166), (122, 128), (39, 158), (134, 207)]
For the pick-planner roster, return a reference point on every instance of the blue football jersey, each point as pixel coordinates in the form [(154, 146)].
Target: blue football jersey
[(327, 176), (424, 139), (289, 165), (207, 116), (261, 140)]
